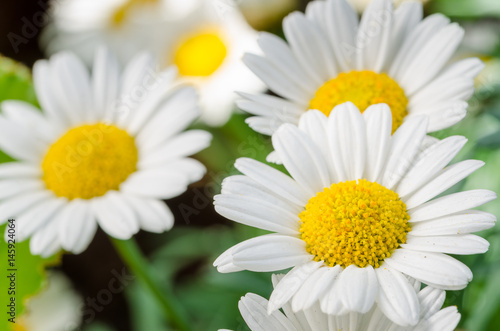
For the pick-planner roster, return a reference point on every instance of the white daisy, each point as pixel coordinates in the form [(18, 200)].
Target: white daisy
[(390, 56), (253, 308), (106, 149), (204, 38), (57, 308), (357, 215)]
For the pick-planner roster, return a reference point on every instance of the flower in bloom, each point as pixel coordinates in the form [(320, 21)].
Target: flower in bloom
[(105, 150), (390, 56), (358, 215), (205, 39), (56, 308), (253, 308)]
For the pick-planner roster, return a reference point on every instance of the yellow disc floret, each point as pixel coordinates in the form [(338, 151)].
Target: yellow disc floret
[(88, 161), (354, 222), (201, 54), (363, 88)]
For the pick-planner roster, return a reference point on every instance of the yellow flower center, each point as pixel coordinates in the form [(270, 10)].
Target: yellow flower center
[(200, 54), (363, 88), (358, 223), (121, 13), (88, 161)]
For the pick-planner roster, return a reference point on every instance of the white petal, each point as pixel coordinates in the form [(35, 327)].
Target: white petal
[(245, 186), (406, 17), (77, 226), (37, 216), (271, 75), (459, 223), (444, 320), (19, 170), (314, 122), (306, 41), (431, 58), (272, 107), (397, 299), (71, 87), (253, 309), (358, 288), (272, 179), (105, 85), (279, 54), (290, 284), (349, 127), (431, 161), (257, 213), (342, 27), (224, 263), (378, 121), (13, 187), (406, 142), (373, 35), (445, 179), (183, 145), (302, 158), (312, 289), (464, 244), (435, 269), (431, 300), (176, 112), (30, 118), (115, 216), (10, 208), (20, 143), (450, 204), (270, 253), (155, 183), (415, 41), (153, 215), (45, 242), (443, 114)]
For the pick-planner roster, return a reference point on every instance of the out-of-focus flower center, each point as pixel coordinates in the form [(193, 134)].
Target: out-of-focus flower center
[(200, 54), (354, 222), (121, 13), (363, 88), (89, 160)]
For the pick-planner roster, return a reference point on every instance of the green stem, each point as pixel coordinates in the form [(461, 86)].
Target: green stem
[(137, 263)]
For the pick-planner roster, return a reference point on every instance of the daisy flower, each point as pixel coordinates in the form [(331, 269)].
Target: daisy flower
[(205, 39), (358, 215), (57, 308), (390, 56), (253, 308), (104, 151)]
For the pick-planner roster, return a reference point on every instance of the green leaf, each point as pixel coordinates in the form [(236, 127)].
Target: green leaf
[(15, 82)]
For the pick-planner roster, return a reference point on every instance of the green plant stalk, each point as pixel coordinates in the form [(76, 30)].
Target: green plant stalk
[(137, 263)]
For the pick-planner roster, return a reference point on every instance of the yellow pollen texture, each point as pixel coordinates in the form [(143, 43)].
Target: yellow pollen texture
[(200, 54), (362, 88), (354, 222), (88, 161)]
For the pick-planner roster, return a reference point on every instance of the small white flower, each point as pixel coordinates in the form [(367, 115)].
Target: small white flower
[(390, 56), (253, 308), (57, 308), (359, 213), (204, 38), (105, 150)]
